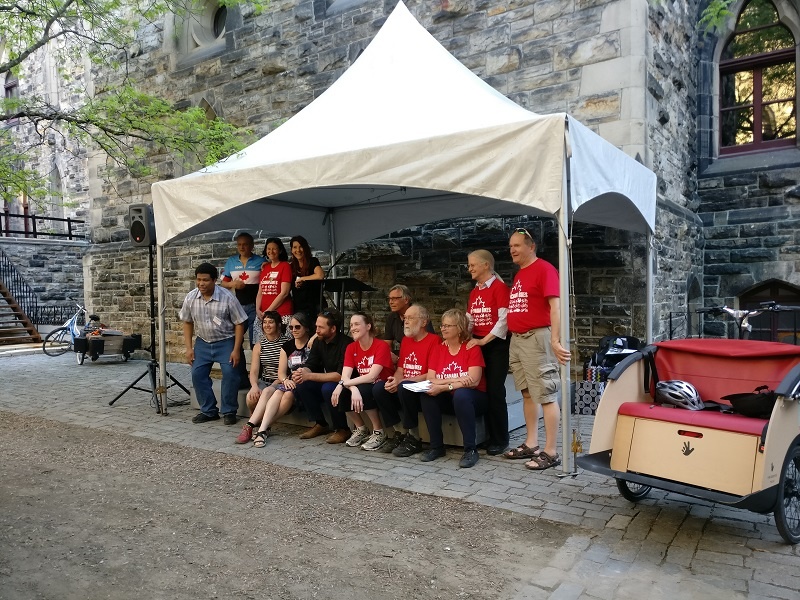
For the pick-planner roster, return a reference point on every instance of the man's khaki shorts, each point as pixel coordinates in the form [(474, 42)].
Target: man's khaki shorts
[(534, 365)]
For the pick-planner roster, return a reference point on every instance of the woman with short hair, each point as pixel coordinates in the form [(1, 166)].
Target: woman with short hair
[(457, 383)]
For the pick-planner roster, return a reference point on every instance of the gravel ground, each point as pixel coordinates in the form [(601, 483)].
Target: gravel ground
[(89, 516)]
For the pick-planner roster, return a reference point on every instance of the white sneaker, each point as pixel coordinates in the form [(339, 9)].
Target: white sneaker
[(375, 441), (359, 436)]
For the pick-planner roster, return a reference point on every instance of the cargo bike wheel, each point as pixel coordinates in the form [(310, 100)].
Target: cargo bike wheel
[(633, 492), (57, 342), (787, 508)]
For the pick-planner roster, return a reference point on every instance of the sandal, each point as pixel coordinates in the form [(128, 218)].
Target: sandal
[(522, 451), (543, 461), (261, 439)]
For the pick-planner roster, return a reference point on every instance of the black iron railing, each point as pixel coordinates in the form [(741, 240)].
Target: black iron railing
[(54, 314), (21, 291), (35, 226), (764, 326)]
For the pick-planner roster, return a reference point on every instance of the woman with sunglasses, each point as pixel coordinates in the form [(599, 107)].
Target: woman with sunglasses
[(293, 355), (457, 383), (488, 307), (275, 282), (264, 368)]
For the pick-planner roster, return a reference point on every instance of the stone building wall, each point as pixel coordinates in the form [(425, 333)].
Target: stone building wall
[(53, 269)]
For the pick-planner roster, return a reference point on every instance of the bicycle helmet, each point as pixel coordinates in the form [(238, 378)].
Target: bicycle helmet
[(678, 393)]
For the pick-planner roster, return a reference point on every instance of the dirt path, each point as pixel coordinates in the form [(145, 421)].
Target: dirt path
[(89, 516)]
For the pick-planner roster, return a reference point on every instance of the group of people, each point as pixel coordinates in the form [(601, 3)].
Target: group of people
[(461, 372)]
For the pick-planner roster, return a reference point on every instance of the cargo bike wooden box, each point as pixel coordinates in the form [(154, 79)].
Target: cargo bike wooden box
[(743, 462), (106, 342)]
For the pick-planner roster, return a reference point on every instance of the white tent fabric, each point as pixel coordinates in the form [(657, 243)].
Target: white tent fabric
[(401, 138), (408, 135)]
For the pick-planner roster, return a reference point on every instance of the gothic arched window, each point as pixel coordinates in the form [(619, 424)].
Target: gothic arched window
[(757, 83)]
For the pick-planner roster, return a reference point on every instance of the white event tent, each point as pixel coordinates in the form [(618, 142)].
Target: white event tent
[(408, 135)]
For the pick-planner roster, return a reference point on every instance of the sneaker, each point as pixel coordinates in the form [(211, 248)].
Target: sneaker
[(432, 454), (408, 447), (360, 435), (204, 418), (392, 443), (470, 459), (375, 441), (246, 435)]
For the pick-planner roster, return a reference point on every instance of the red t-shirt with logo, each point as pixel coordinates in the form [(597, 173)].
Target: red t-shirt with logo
[(415, 355), (270, 282), (528, 305), (484, 304), (362, 360), (447, 366)]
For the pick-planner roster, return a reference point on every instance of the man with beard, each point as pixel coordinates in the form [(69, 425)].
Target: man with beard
[(412, 365)]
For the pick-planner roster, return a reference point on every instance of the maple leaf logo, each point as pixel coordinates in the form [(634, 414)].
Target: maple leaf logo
[(244, 276), (452, 369), (479, 303), (365, 363), (517, 288), (411, 359)]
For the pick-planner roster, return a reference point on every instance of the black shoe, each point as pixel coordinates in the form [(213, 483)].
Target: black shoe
[(432, 454), (229, 419), (495, 449), (392, 443), (409, 446), (470, 459), (204, 418)]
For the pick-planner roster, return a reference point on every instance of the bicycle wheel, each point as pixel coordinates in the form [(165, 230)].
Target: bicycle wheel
[(57, 342), (632, 492), (787, 509)]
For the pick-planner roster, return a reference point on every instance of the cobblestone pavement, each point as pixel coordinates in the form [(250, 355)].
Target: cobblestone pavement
[(666, 546)]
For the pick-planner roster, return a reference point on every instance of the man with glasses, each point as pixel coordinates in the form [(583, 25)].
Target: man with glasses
[(392, 397), (320, 376), (534, 320), (399, 300)]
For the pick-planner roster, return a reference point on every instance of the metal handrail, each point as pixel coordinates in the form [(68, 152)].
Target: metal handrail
[(21, 291), (31, 229)]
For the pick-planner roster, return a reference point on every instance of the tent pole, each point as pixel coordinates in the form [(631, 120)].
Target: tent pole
[(162, 334), (563, 279), (649, 286)]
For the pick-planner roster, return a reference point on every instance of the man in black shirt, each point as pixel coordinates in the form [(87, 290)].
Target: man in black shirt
[(399, 300), (320, 376)]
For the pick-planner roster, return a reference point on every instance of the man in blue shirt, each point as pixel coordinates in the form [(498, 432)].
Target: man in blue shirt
[(216, 318), (241, 274)]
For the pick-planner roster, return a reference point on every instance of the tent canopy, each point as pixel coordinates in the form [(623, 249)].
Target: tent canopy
[(407, 135)]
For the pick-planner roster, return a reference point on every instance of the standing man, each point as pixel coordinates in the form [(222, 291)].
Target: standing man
[(399, 300), (241, 275), (321, 375), (534, 320), (217, 319)]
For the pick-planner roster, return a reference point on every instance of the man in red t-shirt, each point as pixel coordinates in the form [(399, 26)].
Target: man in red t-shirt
[(413, 364), (534, 320)]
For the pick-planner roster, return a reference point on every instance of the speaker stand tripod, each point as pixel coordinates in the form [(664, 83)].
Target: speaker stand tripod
[(152, 366)]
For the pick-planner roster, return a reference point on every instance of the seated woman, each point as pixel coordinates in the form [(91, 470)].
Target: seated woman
[(457, 385), (294, 354), (369, 359), (263, 371)]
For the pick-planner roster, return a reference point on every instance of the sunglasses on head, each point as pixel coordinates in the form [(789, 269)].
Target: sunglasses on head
[(523, 231)]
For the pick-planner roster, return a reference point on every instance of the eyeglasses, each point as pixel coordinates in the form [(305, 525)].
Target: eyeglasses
[(523, 231), (295, 327), (444, 326)]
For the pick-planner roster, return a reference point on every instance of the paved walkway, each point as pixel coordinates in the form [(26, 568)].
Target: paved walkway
[(667, 546)]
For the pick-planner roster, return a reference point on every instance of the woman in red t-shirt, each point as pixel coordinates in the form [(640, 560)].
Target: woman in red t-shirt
[(275, 282), (487, 310), (456, 375), (366, 360)]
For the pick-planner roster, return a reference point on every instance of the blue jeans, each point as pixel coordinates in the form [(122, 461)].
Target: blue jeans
[(391, 405), (205, 355), (466, 403), (250, 309), (313, 395)]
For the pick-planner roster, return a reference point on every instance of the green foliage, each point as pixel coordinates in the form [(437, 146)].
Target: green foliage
[(715, 15), (130, 126)]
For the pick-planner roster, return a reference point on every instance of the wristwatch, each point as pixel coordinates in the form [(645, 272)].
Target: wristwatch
[(450, 386), (341, 383)]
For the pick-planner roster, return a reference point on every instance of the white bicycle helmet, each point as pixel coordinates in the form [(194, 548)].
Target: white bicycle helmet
[(678, 393)]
